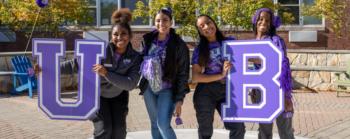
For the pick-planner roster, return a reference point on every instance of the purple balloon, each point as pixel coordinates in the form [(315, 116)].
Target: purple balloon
[(42, 3), (178, 121)]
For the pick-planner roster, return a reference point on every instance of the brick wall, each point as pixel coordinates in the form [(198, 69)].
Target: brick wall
[(21, 41), (326, 40)]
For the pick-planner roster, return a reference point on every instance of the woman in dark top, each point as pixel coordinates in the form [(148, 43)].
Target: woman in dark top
[(120, 70), (120, 74), (165, 72)]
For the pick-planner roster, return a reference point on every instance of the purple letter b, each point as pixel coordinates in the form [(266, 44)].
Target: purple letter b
[(240, 79)]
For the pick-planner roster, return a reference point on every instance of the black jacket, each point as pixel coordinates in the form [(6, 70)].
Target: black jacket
[(122, 75), (176, 71)]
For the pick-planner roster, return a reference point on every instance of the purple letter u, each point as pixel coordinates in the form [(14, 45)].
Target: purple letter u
[(88, 53)]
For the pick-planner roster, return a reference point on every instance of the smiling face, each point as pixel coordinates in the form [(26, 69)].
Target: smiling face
[(163, 23), (264, 23), (206, 27), (120, 36)]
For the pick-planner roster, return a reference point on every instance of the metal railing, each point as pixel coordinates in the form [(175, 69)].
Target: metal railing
[(23, 53)]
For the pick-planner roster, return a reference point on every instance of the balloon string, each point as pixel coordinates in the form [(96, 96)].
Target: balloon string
[(31, 34)]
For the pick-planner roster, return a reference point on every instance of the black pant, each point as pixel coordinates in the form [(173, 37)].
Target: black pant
[(208, 97), (284, 125), (110, 120)]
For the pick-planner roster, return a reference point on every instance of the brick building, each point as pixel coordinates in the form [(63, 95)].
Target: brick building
[(304, 33)]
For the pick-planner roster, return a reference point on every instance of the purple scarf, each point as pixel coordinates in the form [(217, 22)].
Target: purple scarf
[(286, 76)]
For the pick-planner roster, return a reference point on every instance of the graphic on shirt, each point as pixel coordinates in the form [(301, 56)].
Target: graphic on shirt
[(240, 80), (215, 63), (215, 60), (48, 53)]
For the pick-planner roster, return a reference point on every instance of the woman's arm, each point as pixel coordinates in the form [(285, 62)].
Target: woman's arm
[(129, 81), (286, 77), (182, 74), (199, 77)]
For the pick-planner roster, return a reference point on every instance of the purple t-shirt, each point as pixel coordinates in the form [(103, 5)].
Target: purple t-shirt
[(216, 60), (159, 48)]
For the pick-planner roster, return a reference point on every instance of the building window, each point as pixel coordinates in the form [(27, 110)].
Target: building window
[(92, 13), (131, 4), (294, 7), (310, 20), (92, 2), (107, 8), (101, 11)]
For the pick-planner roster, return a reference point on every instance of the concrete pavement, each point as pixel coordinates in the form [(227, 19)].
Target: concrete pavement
[(317, 115)]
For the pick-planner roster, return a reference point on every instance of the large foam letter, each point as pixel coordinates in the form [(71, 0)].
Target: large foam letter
[(236, 108), (88, 53)]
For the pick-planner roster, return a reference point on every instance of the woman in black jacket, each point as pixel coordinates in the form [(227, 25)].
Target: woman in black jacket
[(165, 73), (120, 72)]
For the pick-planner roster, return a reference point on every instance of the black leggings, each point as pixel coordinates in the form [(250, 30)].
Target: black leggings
[(208, 97), (110, 120)]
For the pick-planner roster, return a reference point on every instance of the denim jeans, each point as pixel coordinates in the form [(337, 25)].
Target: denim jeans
[(160, 107)]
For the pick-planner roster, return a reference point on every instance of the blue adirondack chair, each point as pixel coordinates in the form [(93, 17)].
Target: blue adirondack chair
[(21, 65)]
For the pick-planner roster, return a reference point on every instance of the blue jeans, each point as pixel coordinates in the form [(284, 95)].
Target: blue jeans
[(160, 107)]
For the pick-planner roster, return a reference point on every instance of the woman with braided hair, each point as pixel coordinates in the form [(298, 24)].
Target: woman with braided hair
[(265, 24)]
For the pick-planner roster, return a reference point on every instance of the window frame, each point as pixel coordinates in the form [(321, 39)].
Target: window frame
[(150, 26), (99, 25), (301, 26)]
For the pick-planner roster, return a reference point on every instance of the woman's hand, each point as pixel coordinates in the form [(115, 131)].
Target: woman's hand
[(37, 69), (288, 105), (100, 70), (225, 68), (178, 106)]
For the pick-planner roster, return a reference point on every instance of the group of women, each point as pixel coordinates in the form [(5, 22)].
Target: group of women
[(163, 64)]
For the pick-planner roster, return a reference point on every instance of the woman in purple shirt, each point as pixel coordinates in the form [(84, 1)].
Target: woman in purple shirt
[(209, 70), (264, 27)]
